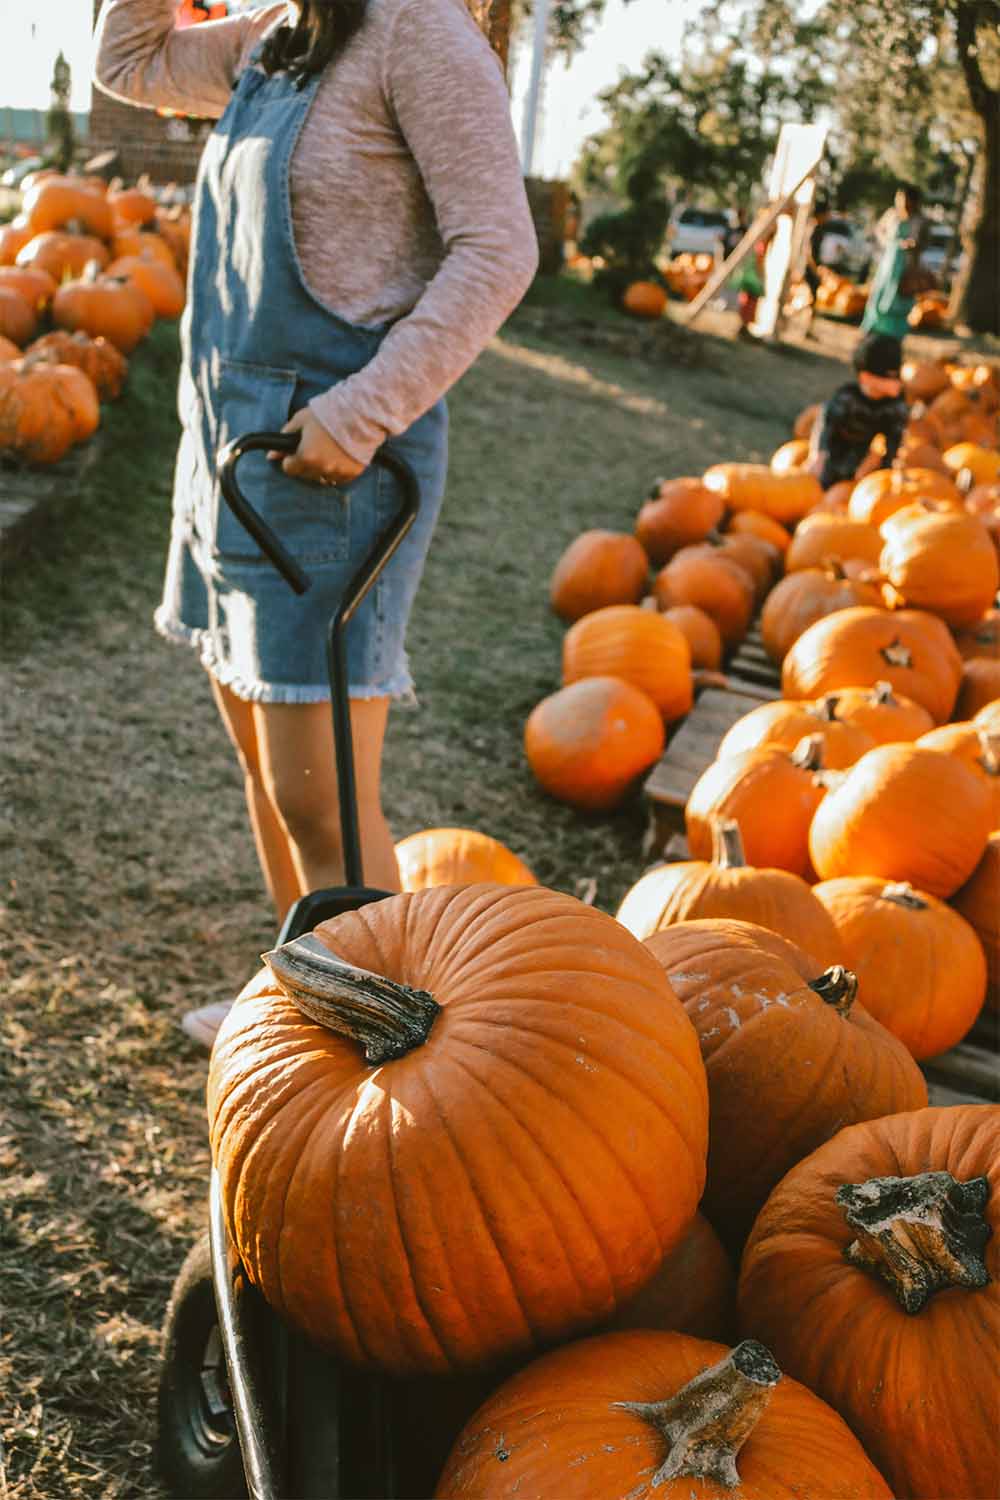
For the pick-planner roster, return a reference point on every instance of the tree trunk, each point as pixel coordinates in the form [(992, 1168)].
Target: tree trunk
[(976, 296)]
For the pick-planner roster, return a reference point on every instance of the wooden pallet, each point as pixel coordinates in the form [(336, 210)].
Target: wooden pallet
[(750, 669), (692, 747)]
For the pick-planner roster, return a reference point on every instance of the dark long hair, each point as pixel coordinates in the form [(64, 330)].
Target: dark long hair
[(323, 28)]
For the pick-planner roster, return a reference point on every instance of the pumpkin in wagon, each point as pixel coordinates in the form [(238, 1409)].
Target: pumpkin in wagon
[(456, 1124)]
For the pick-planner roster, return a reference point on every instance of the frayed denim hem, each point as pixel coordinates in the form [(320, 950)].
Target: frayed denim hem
[(399, 687)]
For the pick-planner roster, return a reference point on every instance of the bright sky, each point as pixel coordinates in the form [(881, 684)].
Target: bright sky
[(34, 31)]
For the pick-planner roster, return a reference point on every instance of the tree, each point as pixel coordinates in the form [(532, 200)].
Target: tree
[(60, 136)]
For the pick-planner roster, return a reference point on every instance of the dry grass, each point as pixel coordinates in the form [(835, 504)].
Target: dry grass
[(130, 883)]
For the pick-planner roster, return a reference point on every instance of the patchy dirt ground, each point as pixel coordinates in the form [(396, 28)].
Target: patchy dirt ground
[(131, 891)]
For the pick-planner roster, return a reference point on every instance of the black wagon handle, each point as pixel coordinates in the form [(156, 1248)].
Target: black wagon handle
[(385, 546)]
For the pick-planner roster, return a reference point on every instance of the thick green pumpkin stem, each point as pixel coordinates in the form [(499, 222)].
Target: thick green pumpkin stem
[(706, 1424), (918, 1234), (838, 987), (727, 845), (387, 1018)]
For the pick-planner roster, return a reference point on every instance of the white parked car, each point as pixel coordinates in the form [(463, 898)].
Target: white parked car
[(697, 229), (845, 247)]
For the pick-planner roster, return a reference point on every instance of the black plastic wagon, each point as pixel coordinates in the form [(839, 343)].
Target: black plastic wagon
[(247, 1405)]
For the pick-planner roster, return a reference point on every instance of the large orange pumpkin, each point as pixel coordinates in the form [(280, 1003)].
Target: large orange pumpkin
[(911, 650), (786, 497), (61, 202), (693, 1292), (883, 714), (103, 306), (41, 417), (637, 645), (827, 535), (457, 856), (878, 496), (656, 1416), (941, 559), (975, 744), (645, 299), (711, 581), (790, 1056), (905, 814), (979, 903), (408, 1129), (161, 283), (598, 568), (873, 1273), (98, 359), (588, 743), (785, 722), (749, 788), (679, 513), (727, 886), (62, 255), (920, 966), (703, 635), (802, 598)]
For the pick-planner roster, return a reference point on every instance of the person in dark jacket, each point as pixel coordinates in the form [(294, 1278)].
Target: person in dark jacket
[(871, 403)]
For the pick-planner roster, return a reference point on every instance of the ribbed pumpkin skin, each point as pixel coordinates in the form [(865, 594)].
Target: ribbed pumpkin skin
[(979, 903), (598, 568), (564, 1436), (940, 560), (918, 1390), (785, 1070), (802, 598), (703, 635), (712, 582), (855, 648), (921, 968), (692, 889), (749, 788), (457, 856), (755, 523), (587, 743), (786, 497), (693, 1292), (784, 723), (904, 813), (976, 748), (878, 496), (639, 646), (887, 716), (828, 535), (517, 1177), (681, 513)]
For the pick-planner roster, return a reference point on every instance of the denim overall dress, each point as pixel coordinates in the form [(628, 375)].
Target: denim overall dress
[(257, 345)]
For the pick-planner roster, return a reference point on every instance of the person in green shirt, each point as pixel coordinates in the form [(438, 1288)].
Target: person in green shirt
[(902, 234)]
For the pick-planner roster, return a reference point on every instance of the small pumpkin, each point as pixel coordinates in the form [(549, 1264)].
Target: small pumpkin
[(711, 581), (911, 650), (35, 286), (728, 887), (883, 714), (147, 244), (38, 418), (597, 569), (637, 645), (804, 597), (790, 456), (679, 513), (13, 238), (825, 535), (920, 966), (786, 721), (785, 497), (63, 255), (98, 359), (131, 206), (18, 318), (161, 283), (647, 1415), (978, 902), (873, 1273), (747, 788), (106, 307), (755, 523), (982, 463), (645, 299), (923, 379), (588, 743), (791, 1055), (904, 813), (878, 496), (980, 685), (61, 202), (940, 559), (452, 1023), (703, 635), (457, 856)]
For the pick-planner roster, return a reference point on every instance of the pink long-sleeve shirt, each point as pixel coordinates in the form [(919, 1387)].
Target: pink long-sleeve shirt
[(408, 203)]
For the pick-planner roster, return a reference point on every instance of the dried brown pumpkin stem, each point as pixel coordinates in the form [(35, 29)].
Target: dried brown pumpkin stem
[(707, 1422), (387, 1018), (903, 894), (918, 1234), (838, 987), (896, 654), (825, 708), (882, 693), (989, 754), (808, 753), (727, 845)]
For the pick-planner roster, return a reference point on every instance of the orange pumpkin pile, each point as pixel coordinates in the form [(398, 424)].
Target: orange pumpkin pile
[(85, 270)]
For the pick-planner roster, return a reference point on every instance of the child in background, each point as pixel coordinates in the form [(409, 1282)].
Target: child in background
[(869, 404)]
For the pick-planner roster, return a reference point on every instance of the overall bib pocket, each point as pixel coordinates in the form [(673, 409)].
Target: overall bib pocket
[(312, 520)]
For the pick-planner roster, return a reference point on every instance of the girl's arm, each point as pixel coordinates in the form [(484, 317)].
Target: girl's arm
[(448, 96), (141, 59)]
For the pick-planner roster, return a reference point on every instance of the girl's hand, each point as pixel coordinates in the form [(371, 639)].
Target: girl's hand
[(318, 458)]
